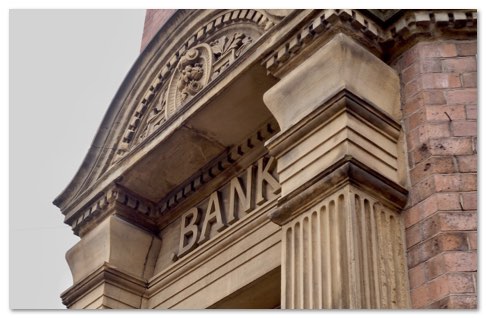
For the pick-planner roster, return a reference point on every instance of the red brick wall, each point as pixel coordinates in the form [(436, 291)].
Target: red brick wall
[(154, 20), (439, 101)]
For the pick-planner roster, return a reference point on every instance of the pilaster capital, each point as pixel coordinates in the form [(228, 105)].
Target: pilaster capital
[(346, 171), (82, 294), (337, 113), (113, 259)]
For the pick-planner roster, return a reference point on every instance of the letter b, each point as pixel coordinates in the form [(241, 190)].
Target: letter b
[(189, 231)]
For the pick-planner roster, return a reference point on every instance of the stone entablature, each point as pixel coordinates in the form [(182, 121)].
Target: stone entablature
[(227, 205), (253, 148)]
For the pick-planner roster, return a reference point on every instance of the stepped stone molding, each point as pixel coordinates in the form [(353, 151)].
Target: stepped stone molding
[(385, 41), (347, 170), (340, 128)]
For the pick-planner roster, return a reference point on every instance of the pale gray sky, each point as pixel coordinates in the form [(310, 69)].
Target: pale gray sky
[(65, 67)]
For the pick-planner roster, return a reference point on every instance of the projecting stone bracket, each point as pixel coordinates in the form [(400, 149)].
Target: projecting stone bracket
[(114, 246)]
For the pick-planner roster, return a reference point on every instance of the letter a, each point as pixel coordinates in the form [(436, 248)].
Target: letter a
[(236, 190), (213, 215)]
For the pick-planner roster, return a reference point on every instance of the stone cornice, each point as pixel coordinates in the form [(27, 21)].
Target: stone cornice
[(320, 29), (387, 42), (423, 25), (383, 16), (115, 199), (132, 207)]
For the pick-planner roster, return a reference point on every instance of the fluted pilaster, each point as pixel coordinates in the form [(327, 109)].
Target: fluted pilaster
[(345, 252), (339, 166)]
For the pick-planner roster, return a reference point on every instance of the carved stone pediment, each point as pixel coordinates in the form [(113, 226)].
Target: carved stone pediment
[(202, 59), (193, 53)]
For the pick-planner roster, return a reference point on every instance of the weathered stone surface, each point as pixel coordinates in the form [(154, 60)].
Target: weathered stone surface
[(262, 159)]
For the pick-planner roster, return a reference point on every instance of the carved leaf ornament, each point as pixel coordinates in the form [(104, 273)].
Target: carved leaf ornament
[(227, 49)]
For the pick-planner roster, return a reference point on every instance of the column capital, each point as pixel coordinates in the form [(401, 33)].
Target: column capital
[(341, 102), (347, 171)]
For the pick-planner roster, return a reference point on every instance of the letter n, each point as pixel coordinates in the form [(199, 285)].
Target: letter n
[(263, 174), (244, 198)]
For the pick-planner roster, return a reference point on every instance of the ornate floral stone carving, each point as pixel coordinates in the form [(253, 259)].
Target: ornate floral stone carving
[(192, 74)]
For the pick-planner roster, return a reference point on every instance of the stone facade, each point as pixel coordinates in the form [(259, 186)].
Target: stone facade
[(294, 159)]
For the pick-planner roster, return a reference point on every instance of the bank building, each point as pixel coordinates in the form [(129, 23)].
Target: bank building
[(284, 159)]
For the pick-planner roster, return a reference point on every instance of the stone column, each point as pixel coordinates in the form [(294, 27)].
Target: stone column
[(338, 164)]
